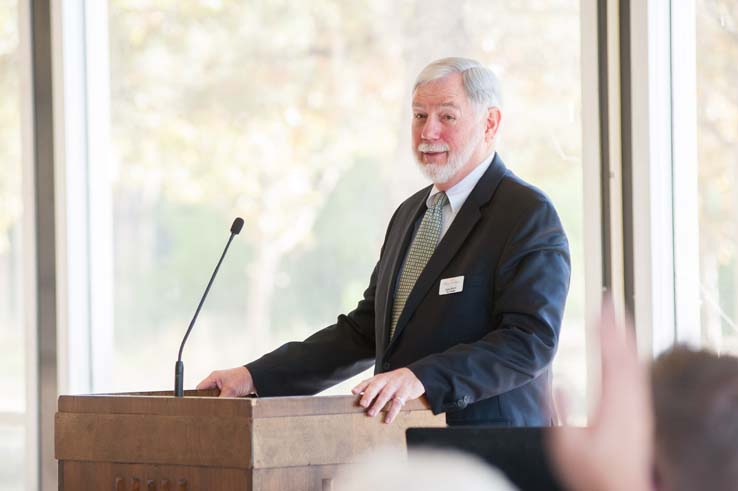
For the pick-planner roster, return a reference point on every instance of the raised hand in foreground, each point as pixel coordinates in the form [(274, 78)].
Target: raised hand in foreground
[(615, 452)]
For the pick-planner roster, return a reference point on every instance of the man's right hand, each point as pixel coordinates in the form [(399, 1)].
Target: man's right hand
[(234, 382)]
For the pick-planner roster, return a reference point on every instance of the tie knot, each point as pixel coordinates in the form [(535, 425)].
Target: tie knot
[(439, 200)]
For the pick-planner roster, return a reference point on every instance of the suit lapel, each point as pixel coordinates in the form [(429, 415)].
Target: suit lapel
[(452, 241), (396, 256)]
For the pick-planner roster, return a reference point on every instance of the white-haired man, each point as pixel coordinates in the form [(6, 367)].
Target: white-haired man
[(465, 303)]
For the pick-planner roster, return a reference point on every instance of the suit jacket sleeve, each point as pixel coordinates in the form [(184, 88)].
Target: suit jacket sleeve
[(530, 284)]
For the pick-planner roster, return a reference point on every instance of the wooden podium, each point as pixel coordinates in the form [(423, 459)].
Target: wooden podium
[(154, 441)]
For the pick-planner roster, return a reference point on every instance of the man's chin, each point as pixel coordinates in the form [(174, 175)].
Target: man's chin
[(438, 173)]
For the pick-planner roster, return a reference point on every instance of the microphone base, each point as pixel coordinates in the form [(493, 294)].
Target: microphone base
[(179, 379)]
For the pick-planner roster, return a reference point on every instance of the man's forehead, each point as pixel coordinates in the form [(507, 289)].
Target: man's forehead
[(445, 92), (444, 103)]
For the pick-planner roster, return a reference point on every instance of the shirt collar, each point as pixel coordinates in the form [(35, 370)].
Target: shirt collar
[(458, 193)]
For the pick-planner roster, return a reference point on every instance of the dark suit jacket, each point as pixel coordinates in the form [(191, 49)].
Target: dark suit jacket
[(483, 354)]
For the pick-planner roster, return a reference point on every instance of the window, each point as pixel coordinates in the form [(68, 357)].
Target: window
[(717, 148), (12, 339), (296, 116)]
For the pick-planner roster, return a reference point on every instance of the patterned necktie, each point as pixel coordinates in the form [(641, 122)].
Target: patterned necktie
[(420, 251)]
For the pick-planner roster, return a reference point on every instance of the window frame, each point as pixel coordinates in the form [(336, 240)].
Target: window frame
[(664, 188), (80, 138)]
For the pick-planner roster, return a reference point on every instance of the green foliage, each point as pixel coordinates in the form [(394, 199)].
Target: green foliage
[(339, 253), (168, 265)]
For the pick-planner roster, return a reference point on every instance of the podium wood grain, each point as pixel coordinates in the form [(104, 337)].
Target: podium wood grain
[(153, 441)]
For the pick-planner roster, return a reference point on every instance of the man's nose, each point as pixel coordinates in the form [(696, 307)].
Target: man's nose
[(431, 129)]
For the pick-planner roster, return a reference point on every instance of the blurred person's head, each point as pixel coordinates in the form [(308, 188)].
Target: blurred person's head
[(695, 397), (426, 470), (456, 116)]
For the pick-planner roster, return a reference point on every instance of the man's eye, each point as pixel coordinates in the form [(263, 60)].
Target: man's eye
[(449, 117), (419, 116)]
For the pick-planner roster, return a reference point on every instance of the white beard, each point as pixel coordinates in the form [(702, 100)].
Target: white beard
[(442, 173)]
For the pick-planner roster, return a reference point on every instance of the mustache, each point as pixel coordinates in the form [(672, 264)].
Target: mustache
[(432, 147)]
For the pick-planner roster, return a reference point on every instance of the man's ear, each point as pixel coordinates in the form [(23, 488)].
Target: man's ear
[(492, 124)]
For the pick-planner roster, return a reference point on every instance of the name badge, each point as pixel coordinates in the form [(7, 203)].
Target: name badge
[(451, 285)]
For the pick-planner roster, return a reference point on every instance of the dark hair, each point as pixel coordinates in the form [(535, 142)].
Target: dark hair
[(695, 397)]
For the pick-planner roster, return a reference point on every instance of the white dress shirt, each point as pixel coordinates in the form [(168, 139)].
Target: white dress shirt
[(458, 193)]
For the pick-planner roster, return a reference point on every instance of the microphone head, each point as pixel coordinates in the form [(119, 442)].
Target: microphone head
[(237, 225)]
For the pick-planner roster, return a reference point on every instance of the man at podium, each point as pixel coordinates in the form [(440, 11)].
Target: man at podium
[(466, 300)]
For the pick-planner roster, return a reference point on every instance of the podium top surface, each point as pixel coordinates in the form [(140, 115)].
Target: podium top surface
[(207, 402), (205, 431)]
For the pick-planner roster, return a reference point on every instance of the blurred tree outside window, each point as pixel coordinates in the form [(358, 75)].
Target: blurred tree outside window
[(296, 116), (12, 339), (717, 146)]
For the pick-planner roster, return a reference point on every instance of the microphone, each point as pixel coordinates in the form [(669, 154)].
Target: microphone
[(179, 366)]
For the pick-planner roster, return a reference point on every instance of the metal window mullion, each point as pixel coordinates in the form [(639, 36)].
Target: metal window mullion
[(614, 163), (85, 199), (44, 216), (626, 146), (73, 246), (610, 153), (651, 187), (100, 194), (685, 174), (594, 145)]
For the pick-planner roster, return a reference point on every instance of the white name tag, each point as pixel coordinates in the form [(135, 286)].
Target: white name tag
[(451, 285)]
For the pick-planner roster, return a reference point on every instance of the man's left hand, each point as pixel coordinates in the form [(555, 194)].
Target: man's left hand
[(398, 386)]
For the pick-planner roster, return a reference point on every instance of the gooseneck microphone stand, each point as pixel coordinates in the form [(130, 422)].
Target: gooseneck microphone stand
[(179, 366)]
